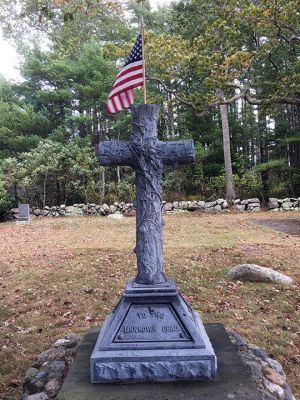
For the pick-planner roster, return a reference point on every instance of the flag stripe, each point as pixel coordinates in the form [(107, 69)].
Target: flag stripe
[(130, 77), (132, 66), (128, 85)]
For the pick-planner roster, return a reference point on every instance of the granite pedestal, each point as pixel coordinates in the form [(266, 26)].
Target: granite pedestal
[(231, 382), (152, 335)]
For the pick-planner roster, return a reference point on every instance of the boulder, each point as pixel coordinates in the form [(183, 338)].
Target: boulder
[(168, 207), (175, 205), (192, 206), (256, 273), (183, 205), (105, 208), (255, 200), (237, 201), (218, 207), (240, 207), (225, 204), (201, 205), (245, 202), (112, 209), (287, 205), (210, 204), (273, 204), (52, 387), (37, 212), (220, 201)]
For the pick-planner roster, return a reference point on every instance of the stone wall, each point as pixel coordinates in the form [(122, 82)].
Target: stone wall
[(127, 209), (288, 204)]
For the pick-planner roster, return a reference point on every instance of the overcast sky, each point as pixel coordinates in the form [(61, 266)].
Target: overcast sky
[(9, 60)]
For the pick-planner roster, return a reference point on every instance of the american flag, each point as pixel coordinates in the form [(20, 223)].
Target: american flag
[(131, 76)]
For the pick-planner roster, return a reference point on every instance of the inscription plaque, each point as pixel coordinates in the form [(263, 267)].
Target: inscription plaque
[(23, 216), (151, 323)]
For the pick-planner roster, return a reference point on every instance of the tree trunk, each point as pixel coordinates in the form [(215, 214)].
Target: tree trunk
[(264, 156), (230, 192)]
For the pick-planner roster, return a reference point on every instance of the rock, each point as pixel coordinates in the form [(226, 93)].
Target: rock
[(252, 205), (112, 209), (255, 200), (31, 373), (193, 206), (218, 207), (274, 389), (65, 343), (255, 273), (220, 201), (175, 205), (275, 365), (183, 205), (273, 376), (45, 212), (275, 209), (73, 211), (62, 206), (131, 213), (210, 204), (105, 208), (58, 365), (37, 212), (237, 201), (201, 205), (168, 207), (273, 204), (254, 209), (50, 355), (35, 386), (240, 207), (41, 375), (225, 204), (38, 396), (92, 205), (52, 387), (14, 211), (115, 216), (244, 202), (287, 206)]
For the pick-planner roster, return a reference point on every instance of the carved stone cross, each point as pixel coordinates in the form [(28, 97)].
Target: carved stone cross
[(147, 156)]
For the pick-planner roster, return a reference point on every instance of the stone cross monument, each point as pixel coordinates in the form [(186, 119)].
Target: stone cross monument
[(153, 334)]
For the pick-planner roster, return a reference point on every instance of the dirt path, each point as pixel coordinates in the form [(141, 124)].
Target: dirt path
[(289, 226)]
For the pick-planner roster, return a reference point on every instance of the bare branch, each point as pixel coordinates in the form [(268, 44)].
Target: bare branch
[(244, 94)]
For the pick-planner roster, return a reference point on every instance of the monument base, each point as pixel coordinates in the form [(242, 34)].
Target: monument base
[(152, 335), (232, 380)]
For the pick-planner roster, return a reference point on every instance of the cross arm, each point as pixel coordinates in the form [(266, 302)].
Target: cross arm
[(115, 152), (179, 152)]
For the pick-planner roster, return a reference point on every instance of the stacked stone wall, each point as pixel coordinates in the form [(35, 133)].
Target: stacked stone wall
[(127, 209)]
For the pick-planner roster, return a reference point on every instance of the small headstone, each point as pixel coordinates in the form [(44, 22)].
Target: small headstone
[(24, 216)]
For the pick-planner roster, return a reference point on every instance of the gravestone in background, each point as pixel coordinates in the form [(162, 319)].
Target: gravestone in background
[(24, 215), (153, 334)]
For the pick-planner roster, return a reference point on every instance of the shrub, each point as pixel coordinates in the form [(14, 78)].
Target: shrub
[(5, 204)]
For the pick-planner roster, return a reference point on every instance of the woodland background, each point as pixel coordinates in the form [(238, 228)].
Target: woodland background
[(225, 72)]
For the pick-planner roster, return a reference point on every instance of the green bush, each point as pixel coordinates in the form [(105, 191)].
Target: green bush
[(5, 204)]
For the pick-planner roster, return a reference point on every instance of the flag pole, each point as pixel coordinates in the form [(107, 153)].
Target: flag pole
[(143, 55)]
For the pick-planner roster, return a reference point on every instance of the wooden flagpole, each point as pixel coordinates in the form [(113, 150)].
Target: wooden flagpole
[(143, 55)]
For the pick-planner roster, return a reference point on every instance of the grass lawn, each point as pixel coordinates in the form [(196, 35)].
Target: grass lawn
[(64, 275)]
